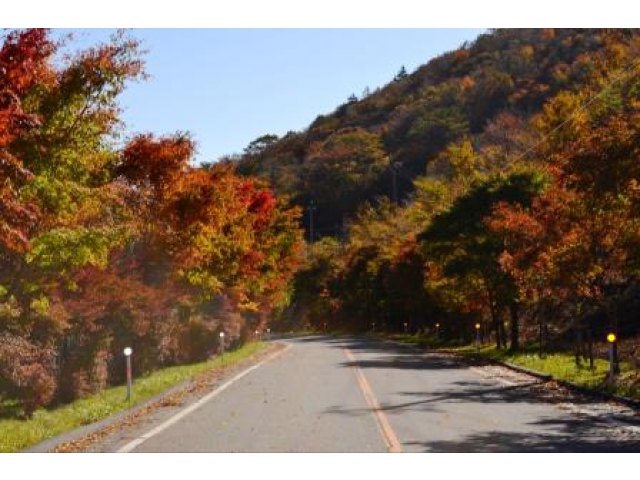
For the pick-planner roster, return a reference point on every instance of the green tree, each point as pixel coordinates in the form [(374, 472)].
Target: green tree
[(459, 240)]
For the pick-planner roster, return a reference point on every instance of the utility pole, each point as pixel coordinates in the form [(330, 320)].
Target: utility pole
[(394, 181), (312, 208)]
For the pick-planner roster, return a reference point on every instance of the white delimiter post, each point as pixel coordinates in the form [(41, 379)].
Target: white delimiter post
[(222, 345), (127, 353)]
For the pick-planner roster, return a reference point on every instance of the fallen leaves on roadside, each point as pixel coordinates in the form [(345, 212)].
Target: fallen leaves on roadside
[(201, 383)]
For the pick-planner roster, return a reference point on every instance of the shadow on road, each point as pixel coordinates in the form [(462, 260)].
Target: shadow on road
[(564, 435), (551, 430)]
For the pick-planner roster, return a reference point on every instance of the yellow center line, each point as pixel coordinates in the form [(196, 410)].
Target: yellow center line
[(389, 436)]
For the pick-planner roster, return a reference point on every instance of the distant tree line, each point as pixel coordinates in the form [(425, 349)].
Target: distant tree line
[(526, 218)]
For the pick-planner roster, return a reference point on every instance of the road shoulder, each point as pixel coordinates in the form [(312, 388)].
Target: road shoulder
[(100, 435)]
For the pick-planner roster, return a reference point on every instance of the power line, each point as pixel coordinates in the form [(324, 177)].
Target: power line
[(395, 166), (311, 209), (580, 109), (624, 73)]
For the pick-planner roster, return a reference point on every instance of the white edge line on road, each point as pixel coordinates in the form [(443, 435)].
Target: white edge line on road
[(194, 406)]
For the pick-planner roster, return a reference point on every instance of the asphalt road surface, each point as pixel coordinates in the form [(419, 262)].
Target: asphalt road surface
[(324, 394)]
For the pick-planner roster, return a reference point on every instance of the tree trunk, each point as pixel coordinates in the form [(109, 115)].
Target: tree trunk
[(515, 325), (540, 339), (590, 343), (614, 317), (578, 343), (495, 321), (503, 332)]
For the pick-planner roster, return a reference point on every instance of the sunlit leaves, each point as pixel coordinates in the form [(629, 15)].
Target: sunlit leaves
[(345, 165), (134, 246)]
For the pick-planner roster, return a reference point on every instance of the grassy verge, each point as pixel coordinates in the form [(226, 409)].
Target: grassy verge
[(561, 365), (16, 435)]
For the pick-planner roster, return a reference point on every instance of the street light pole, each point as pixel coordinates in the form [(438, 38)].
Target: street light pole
[(477, 337), (395, 166), (312, 209)]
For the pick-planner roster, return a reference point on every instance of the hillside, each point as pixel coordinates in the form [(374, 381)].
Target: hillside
[(478, 91)]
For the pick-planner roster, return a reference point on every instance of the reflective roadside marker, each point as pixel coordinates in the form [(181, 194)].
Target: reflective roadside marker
[(611, 338), (127, 353)]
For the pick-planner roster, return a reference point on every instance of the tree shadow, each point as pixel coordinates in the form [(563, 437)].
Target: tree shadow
[(11, 409), (561, 435), (404, 363), (478, 393), (551, 430)]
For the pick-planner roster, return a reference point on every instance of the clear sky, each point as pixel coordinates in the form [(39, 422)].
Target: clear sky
[(229, 86)]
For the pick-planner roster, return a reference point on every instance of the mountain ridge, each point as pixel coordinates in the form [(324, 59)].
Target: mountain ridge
[(352, 155)]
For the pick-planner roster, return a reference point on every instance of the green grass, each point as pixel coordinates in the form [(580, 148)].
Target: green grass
[(561, 365), (16, 434)]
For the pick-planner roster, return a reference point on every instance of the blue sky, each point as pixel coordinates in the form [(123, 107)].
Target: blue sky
[(229, 86)]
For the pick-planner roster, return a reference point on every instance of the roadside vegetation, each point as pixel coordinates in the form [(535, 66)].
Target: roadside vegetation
[(112, 239), (17, 434), (520, 205), (496, 185), (560, 365)]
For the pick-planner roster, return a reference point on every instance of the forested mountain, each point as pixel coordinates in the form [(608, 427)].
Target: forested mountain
[(513, 162), (477, 92), (517, 166)]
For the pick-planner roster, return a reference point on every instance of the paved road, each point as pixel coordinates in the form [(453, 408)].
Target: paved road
[(352, 395)]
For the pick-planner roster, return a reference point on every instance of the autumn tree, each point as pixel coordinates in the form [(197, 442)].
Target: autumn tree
[(459, 240), (102, 247), (24, 63), (342, 169)]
